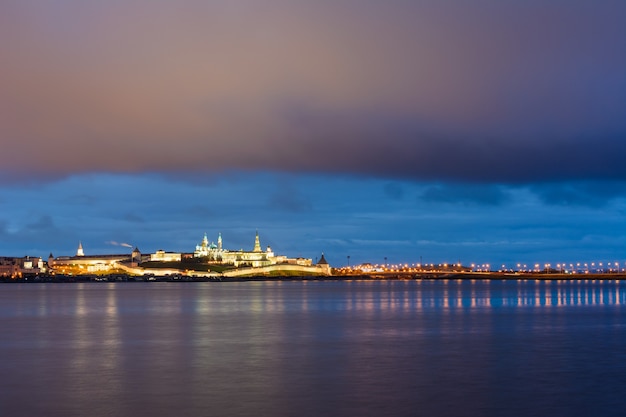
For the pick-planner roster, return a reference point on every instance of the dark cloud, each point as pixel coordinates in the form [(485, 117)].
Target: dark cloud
[(41, 231), (504, 92), (289, 199), (466, 194), (585, 193), (43, 224)]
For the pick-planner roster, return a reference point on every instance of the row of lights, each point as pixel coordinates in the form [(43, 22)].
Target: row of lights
[(572, 268), (563, 267), (406, 267)]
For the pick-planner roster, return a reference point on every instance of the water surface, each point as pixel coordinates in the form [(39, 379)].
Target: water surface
[(360, 348)]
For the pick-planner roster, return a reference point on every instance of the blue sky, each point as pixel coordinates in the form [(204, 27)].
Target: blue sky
[(304, 215), (482, 131)]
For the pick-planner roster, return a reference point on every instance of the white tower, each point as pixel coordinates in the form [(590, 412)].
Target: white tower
[(80, 251)]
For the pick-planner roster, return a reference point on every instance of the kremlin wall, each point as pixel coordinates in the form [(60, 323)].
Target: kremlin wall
[(207, 260)]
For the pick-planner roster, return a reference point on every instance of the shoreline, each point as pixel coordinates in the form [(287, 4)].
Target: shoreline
[(492, 276)]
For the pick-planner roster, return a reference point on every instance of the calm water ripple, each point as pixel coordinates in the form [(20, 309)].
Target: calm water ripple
[(361, 348)]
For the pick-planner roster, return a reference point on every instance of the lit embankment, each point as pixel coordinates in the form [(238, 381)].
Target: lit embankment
[(460, 273)]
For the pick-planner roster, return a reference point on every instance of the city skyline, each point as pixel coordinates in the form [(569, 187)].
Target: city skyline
[(429, 132)]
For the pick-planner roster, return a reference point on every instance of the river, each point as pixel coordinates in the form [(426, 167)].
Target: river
[(314, 348)]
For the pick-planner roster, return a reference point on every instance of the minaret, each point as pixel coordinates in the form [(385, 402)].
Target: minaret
[(219, 241), (80, 252), (257, 243), (205, 241)]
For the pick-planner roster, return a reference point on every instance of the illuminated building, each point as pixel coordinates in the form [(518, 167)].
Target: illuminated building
[(162, 256), (257, 259), (80, 263), (14, 267), (254, 258)]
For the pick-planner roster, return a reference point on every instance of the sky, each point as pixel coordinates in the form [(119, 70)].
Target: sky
[(436, 131)]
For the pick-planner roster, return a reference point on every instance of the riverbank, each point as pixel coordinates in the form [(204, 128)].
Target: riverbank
[(65, 279)]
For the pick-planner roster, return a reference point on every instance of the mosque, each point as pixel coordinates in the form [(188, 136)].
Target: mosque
[(256, 258)]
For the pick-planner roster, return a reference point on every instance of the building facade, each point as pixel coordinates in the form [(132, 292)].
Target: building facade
[(17, 267), (81, 263), (162, 256)]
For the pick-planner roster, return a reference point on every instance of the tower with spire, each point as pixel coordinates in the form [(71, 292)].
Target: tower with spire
[(219, 241), (79, 251), (257, 243)]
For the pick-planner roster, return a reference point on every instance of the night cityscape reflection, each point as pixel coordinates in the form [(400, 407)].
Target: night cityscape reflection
[(314, 347)]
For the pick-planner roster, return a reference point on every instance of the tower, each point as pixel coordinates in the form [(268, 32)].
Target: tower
[(257, 243), (219, 241), (136, 256), (324, 265), (79, 251)]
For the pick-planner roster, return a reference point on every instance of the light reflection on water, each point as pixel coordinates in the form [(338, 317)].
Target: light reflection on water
[(447, 347)]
